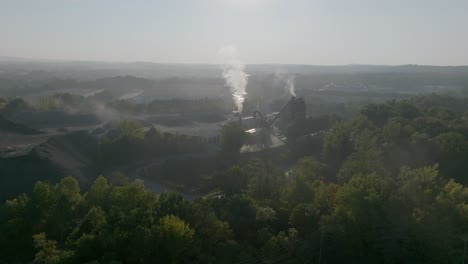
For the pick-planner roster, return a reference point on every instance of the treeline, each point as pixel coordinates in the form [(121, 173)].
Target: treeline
[(418, 132), (58, 224), (130, 142), (95, 102), (15, 88), (14, 105), (56, 102), (262, 216), (66, 102), (171, 106)]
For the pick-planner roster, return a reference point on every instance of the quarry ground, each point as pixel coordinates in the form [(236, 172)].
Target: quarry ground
[(62, 149)]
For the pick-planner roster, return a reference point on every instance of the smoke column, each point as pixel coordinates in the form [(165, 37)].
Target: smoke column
[(287, 80), (234, 75), (290, 85)]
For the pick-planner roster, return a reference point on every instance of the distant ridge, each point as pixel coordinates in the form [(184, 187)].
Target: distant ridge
[(150, 63)]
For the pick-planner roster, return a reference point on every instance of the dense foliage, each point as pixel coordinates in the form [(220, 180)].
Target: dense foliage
[(389, 187), (129, 142)]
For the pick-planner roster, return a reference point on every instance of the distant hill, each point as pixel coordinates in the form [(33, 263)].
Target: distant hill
[(41, 78), (38, 69)]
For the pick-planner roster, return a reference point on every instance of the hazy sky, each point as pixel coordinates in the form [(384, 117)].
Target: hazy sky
[(264, 31)]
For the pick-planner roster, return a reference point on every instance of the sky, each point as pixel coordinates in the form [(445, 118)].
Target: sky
[(318, 32)]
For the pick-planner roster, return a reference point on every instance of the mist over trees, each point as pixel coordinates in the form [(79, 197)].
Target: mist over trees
[(387, 186)]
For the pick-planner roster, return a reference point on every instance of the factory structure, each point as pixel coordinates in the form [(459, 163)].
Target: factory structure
[(269, 130)]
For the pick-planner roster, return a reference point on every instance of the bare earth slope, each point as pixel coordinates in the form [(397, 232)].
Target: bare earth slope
[(50, 160)]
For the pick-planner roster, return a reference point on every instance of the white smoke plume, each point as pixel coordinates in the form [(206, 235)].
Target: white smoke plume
[(287, 80), (290, 85), (234, 75), (105, 113), (130, 95)]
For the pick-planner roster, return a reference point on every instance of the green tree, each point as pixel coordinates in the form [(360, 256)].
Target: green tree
[(232, 181), (452, 155), (337, 144), (377, 113), (131, 129), (48, 252), (174, 238), (232, 137)]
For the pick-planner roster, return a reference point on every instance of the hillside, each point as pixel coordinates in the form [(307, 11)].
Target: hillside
[(8, 126), (57, 157)]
